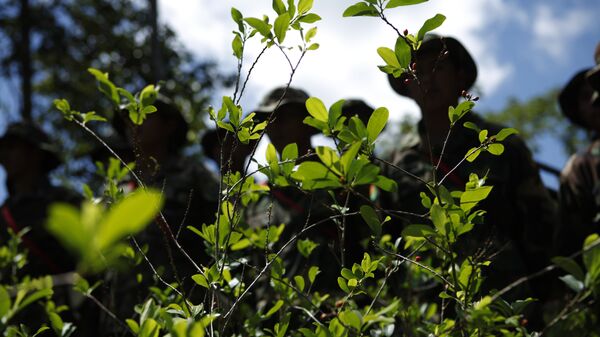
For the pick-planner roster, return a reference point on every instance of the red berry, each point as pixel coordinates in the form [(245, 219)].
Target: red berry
[(407, 81), (405, 32), (524, 322), (463, 93), (417, 258)]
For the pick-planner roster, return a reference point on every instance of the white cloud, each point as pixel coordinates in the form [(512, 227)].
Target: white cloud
[(554, 31), (346, 64)]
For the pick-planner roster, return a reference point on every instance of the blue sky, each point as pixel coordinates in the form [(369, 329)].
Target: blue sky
[(522, 48)]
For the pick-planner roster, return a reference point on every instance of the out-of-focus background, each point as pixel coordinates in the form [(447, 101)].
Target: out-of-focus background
[(525, 51)]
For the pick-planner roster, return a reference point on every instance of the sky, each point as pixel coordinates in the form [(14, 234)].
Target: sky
[(522, 49)]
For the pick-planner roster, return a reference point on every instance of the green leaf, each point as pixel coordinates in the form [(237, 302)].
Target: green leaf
[(591, 257), (310, 34), (352, 283), (570, 266), (386, 184), (313, 271), (289, 153), (279, 7), (389, 56), (299, 280), (350, 318), (471, 197), (349, 156), (237, 46), (238, 18), (329, 158), (418, 231), (505, 133), (313, 46), (271, 156), (403, 52), (376, 123), (64, 222), (317, 109), (472, 126), (361, 9), (430, 25), (371, 218), (573, 283), (282, 23), (439, 218), (495, 149), (148, 95), (200, 280), (127, 217), (262, 27), (274, 309), (106, 86), (4, 301), (483, 135), (472, 154), (398, 3), (304, 6), (309, 18), (306, 247)]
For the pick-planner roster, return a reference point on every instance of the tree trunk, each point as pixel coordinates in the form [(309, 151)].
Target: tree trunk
[(25, 58), (157, 72)]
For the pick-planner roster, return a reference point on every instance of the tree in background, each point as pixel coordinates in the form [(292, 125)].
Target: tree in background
[(116, 36)]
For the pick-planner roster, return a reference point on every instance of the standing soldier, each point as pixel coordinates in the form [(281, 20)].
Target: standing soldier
[(520, 212), (580, 178), (28, 156)]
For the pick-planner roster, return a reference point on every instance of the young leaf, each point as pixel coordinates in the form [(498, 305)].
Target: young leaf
[(279, 7), (376, 123), (309, 18), (505, 133), (417, 231), (430, 25), (262, 27), (472, 154), (127, 217), (317, 109), (312, 273), (238, 18), (306, 247), (388, 56), (304, 6), (200, 280), (310, 34), (398, 3), (282, 24), (237, 46), (361, 9), (403, 52), (495, 149)]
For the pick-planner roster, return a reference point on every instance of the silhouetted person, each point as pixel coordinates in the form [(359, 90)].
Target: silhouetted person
[(580, 178), (218, 145), (520, 213), (28, 155)]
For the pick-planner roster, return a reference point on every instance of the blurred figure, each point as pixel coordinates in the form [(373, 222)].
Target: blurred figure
[(217, 143), (580, 178), (28, 156), (520, 213), (190, 189), (191, 195)]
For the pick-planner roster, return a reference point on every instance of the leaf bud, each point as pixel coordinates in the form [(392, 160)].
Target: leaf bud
[(407, 81), (413, 66), (405, 32), (463, 93), (417, 258)]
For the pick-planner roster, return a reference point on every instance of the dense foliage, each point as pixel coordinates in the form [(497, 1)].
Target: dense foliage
[(417, 283)]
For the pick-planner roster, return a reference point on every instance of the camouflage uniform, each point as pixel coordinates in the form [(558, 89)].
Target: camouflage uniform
[(520, 213)]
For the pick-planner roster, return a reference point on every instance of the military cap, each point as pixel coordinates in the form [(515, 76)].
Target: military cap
[(165, 108), (31, 134), (457, 53), (271, 101), (568, 98)]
